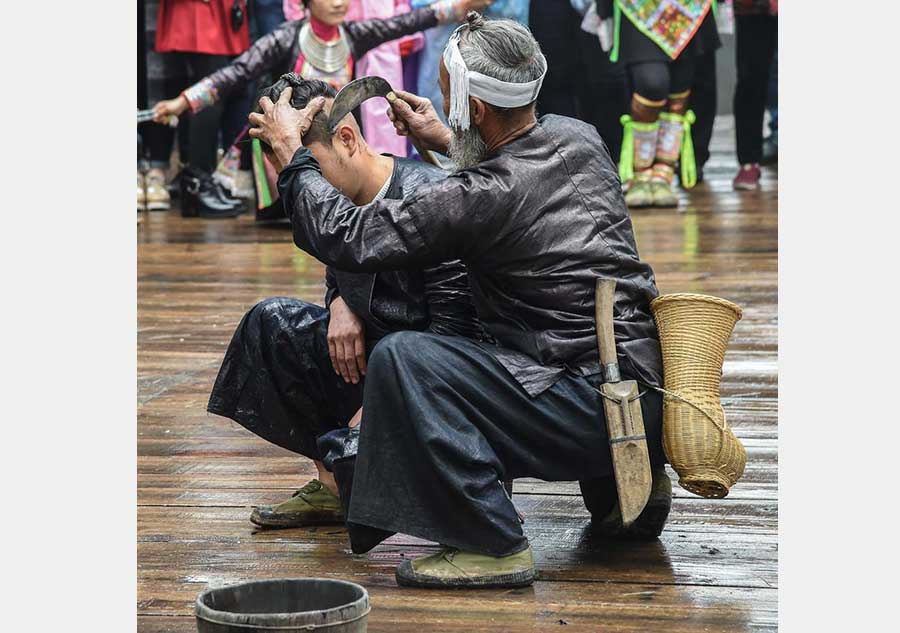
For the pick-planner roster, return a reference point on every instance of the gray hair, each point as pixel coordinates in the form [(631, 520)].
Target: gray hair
[(502, 49)]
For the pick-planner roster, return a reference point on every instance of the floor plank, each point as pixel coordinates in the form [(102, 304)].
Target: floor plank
[(715, 568)]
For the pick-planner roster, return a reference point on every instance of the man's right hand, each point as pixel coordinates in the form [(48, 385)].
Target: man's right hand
[(346, 342), (415, 116), (163, 110)]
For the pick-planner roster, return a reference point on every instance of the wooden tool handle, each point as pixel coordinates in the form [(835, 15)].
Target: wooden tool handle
[(426, 154), (605, 298)]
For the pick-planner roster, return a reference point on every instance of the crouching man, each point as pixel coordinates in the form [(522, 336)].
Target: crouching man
[(294, 371), (535, 211)]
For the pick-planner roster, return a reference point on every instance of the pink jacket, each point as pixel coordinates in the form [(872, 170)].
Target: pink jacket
[(383, 61)]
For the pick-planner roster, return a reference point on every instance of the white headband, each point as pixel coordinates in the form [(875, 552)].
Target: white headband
[(465, 83)]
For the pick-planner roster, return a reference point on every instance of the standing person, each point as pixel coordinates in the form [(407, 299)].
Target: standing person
[(233, 172), (321, 45), (266, 16), (756, 38), (384, 61), (704, 103), (659, 46), (536, 215), (199, 37), (581, 81), (555, 25), (602, 95), (160, 74), (770, 143)]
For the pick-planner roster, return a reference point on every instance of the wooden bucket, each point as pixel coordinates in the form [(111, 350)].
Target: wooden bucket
[(694, 331)]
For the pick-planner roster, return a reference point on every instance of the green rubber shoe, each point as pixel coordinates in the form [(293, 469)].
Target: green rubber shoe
[(451, 568), (650, 522), (313, 504), (639, 195), (662, 194)]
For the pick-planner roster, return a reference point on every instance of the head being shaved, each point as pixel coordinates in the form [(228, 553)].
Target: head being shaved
[(304, 91)]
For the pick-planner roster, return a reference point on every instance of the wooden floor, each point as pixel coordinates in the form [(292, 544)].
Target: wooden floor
[(715, 568)]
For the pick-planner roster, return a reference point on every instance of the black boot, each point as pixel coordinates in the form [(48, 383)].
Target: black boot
[(200, 197)]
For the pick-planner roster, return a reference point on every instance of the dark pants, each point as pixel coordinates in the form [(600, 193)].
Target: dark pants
[(704, 104), (581, 82), (180, 71), (444, 423), (756, 38), (554, 24), (265, 17), (657, 80), (277, 380)]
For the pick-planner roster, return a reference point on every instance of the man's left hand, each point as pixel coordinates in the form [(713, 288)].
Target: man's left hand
[(282, 126)]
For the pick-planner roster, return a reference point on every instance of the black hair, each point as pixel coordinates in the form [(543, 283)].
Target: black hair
[(303, 91)]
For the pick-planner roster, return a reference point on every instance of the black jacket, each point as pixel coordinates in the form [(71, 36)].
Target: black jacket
[(536, 223), (278, 51), (436, 299)]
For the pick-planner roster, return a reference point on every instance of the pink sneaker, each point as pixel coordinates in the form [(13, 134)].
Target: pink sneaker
[(747, 178)]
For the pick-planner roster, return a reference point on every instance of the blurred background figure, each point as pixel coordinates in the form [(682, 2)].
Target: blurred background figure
[(660, 46), (756, 40), (195, 38), (704, 103), (770, 143), (581, 81), (321, 45), (385, 61), (233, 171)]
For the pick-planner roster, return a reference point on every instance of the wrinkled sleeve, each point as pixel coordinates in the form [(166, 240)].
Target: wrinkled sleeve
[(332, 291), (264, 55), (367, 34), (423, 229), (449, 300)]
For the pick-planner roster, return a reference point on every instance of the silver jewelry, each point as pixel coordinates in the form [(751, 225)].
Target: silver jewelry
[(328, 57)]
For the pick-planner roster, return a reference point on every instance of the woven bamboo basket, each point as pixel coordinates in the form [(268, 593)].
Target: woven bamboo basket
[(694, 331)]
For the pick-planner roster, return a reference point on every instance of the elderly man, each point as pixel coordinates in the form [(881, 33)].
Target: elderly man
[(294, 371), (535, 211)]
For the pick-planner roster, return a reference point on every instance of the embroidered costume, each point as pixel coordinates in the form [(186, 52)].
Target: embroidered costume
[(658, 41)]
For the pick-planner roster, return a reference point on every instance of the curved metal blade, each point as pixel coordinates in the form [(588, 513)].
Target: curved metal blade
[(353, 94)]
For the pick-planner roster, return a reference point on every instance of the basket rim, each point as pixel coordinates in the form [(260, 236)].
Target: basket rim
[(688, 296)]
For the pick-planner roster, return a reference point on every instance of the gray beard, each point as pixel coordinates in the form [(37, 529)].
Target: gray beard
[(467, 148)]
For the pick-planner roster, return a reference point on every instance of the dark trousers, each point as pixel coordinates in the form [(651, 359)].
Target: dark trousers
[(581, 82), (756, 38), (277, 380), (554, 24), (180, 71), (704, 102), (444, 423), (656, 80)]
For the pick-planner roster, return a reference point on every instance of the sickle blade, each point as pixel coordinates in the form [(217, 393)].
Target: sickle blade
[(353, 94)]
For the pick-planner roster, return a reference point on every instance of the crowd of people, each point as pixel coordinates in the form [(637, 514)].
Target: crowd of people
[(646, 79)]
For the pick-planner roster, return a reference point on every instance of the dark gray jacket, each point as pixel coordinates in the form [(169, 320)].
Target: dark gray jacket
[(536, 223), (437, 299)]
